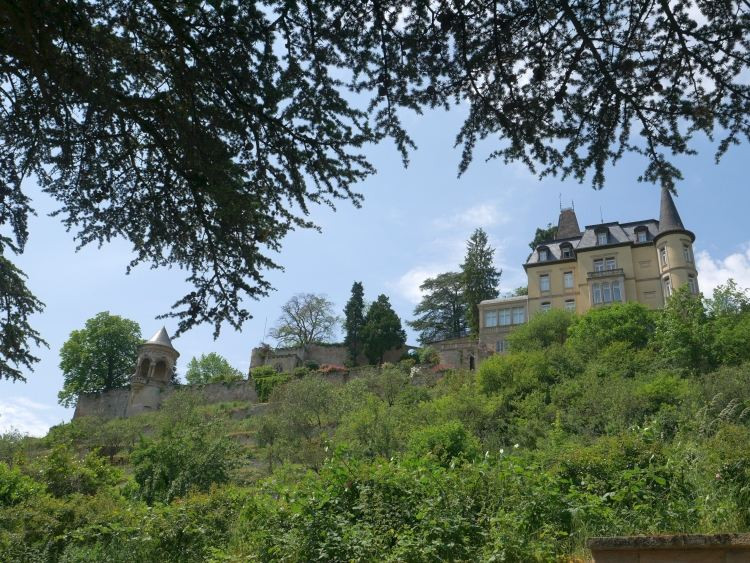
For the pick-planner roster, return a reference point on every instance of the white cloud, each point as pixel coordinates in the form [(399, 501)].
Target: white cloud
[(28, 417), (481, 215), (713, 271), (407, 286)]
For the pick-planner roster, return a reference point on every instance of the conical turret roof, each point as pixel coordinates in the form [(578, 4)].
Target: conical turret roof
[(162, 338), (669, 219)]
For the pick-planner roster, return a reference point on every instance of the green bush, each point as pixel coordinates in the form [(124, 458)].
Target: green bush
[(542, 331), (264, 386), (444, 443), (631, 323)]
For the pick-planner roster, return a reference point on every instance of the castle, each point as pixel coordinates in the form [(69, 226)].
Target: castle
[(639, 261), (151, 383)]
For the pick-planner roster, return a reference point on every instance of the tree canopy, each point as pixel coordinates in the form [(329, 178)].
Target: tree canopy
[(98, 357), (382, 330), (203, 132), (543, 235), (211, 368), (441, 313), (305, 319)]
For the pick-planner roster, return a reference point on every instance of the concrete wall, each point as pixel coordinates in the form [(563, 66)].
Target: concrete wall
[(687, 548)]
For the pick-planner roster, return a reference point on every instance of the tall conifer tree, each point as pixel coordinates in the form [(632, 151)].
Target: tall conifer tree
[(480, 276), (354, 320), (441, 313), (382, 330)]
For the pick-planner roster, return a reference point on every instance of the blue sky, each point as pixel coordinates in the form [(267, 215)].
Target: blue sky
[(413, 224)]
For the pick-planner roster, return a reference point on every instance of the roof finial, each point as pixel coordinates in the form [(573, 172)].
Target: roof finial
[(601, 215), (560, 194)]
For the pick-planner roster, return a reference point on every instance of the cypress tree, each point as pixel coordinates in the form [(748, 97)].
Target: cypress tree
[(382, 330), (354, 320)]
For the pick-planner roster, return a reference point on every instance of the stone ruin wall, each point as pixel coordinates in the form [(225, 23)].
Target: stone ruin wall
[(286, 359), (114, 403)]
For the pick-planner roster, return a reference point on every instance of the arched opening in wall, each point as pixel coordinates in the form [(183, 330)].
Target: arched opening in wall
[(143, 368), (471, 363), (160, 371)]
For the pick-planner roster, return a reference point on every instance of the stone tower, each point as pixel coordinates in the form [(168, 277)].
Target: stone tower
[(674, 245), (153, 373)]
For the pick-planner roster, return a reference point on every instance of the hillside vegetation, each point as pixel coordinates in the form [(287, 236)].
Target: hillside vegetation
[(622, 421)]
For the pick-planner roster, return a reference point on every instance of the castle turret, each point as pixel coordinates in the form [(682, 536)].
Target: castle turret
[(567, 224), (674, 247), (153, 372)]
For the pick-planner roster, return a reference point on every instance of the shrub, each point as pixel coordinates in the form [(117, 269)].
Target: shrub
[(444, 443), (631, 323), (428, 356), (264, 386), (515, 373), (542, 330), (64, 474)]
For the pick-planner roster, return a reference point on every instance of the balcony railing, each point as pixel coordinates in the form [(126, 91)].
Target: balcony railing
[(613, 273)]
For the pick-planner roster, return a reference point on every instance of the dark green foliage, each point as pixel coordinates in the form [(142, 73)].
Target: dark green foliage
[(354, 321), (211, 368), (480, 277), (542, 331), (98, 357), (541, 235), (382, 330), (683, 335), (444, 443), (63, 474), (265, 384), (14, 486), (182, 459), (441, 314), (629, 322), (18, 305)]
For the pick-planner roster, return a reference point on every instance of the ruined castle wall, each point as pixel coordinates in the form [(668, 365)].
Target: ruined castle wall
[(114, 403), (286, 359), (110, 404)]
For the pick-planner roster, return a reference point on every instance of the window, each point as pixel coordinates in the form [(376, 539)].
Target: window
[(570, 305), (599, 265), (687, 253), (544, 282), (667, 286), (602, 238), (606, 292), (504, 317), (490, 318), (543, 254), (519, 315), (597, 290), (663, 256), (546, 306), (568, 280), (610, 263), (693, 285), (567, 251), (616, 291), (642, 235), (501, 346)]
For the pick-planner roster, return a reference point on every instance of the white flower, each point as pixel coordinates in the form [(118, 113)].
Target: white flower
[(515, 446), (502, 451)]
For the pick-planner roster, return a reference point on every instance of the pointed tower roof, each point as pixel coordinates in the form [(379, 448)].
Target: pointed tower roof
[(567, 224), (162, 338), (669, 219)]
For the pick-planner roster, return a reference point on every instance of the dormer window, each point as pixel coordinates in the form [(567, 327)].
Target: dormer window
[(641, 234), (544, 254), (566, 250), (602, 237)]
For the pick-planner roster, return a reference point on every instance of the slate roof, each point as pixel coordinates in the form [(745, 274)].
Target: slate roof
[(669, 218), (618, 233), (162, 338), (567, 224)]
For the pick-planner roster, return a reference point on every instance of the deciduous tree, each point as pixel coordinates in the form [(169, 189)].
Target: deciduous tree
[(480, 277), (211, 368), (306, 319), (98, 357)]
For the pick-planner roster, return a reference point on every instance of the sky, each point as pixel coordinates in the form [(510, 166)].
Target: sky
[(413, 224)]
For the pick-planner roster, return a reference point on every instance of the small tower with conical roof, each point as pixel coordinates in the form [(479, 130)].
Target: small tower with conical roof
[(153, 372), (674, 248)]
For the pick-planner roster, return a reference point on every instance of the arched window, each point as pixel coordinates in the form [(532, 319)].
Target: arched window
[(143, 368), (160, 371)]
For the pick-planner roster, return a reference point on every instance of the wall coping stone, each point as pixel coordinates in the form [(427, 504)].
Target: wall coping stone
[(676, 541)]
